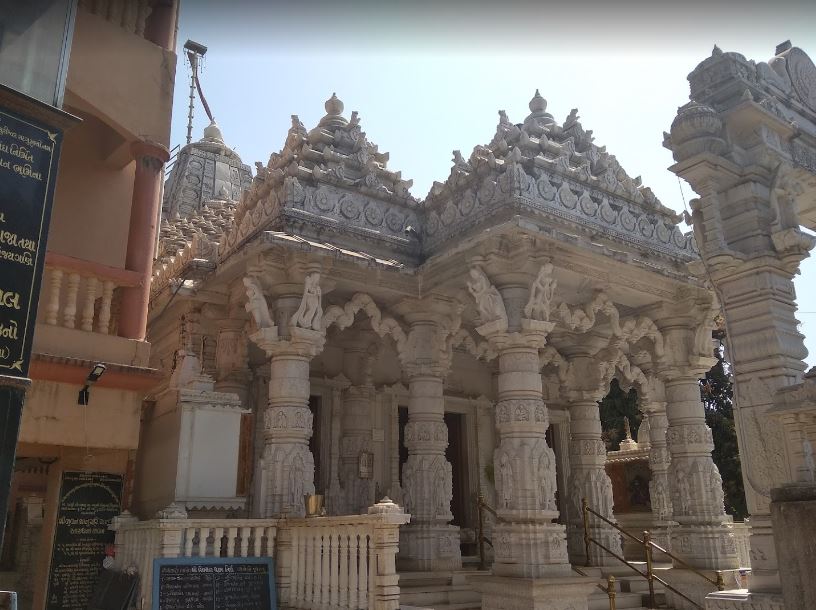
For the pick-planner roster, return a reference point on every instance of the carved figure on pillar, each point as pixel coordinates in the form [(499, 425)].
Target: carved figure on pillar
[(285, 473)]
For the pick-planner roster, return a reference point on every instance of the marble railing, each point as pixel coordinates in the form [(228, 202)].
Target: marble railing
[(80, 294), (130, 15), (334, 563)]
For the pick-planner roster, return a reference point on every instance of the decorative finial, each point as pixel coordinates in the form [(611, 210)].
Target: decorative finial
[(538, 103), (627, 428), (213, 132), (334, 106)]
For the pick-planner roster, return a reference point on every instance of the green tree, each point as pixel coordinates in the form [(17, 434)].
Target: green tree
[(718, 397), (614, 408)]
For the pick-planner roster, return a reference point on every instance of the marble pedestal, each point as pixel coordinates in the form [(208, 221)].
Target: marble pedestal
[(793, 513), (693, 586), (557, 593), (742, 599), (426, 547)]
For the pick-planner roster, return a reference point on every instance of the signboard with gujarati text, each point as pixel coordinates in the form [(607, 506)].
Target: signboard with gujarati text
[(214, 583), (29, 154), (88, 502)]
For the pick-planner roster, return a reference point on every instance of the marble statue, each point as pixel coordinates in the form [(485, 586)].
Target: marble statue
[(488, 299), (310, 313), (541, 295), (256, 303)]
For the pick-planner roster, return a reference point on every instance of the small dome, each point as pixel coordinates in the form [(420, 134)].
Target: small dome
[(334, 110), (213, 133), (538, 103)]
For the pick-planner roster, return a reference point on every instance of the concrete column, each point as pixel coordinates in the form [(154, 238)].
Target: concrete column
[(429, 542), (144, 218)]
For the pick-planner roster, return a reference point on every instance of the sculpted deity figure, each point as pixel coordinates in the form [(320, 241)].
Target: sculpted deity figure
[(660, 500), (488, 299), (541, 295), (506, 477), (256, 303), (310, 313)]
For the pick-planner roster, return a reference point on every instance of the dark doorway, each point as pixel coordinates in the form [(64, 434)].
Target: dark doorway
[(402, 414), (456, 453), (314, 441)]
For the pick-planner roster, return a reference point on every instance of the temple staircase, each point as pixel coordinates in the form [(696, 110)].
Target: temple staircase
[(442, 590), (631, 590), (452, 590)]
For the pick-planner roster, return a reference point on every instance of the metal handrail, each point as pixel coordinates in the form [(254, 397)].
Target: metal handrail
[(648, 545), (482, 505), (609, 589)]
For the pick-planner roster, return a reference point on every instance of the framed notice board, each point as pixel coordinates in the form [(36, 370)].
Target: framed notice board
[(88, 501), (214, 583)]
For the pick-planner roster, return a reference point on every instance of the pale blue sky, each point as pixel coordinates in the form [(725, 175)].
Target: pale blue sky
[(429, 77)]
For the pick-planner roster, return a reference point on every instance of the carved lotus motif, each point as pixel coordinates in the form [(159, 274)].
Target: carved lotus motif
[(607, 212), (467, 203), (678, 238), (663, 233), (645, 227), (349, 208), (448, 214), (323, 201), (545, 189), (393, 221), (587, 205), (567, 198), (373, 214), (627, 221)]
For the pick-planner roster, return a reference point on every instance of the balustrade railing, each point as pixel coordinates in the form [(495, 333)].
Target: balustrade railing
[(321, 563), (80, 294)]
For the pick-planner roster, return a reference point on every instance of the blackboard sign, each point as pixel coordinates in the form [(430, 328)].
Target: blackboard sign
[(88, 502), (214, 583), (29, 154), (114, 591)]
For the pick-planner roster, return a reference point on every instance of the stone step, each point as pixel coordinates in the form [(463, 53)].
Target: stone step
[(623, 601)]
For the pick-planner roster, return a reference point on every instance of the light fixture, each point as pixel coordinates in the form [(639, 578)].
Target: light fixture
[(85, 393)]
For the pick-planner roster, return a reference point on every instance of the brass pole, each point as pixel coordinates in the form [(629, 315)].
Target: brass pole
[(610, 591), (647, 544), (479, 503), (585, 511)]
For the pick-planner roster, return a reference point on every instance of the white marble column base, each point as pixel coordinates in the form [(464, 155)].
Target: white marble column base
[(558, 593), (742, 599), (706, 547), (424, 547), (607, 536), (692, 586), (530, 550)]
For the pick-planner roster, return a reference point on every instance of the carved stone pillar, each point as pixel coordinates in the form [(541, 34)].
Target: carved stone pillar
[(526, 542), (286, 470), (429, 542), (356, 425), (702, 539), (745, 144), (659, 463), (588, 478), (531, 567)]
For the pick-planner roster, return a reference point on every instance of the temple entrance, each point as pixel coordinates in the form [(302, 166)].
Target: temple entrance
[(456, 454)]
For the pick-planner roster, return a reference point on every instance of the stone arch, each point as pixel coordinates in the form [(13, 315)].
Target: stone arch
[(343, 317)]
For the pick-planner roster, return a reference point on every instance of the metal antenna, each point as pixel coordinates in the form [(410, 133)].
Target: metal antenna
[(195, 51)]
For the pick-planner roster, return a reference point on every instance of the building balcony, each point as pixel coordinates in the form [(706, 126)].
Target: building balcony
[(78, 314)]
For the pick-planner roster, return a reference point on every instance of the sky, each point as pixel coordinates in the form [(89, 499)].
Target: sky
[(429, 77)]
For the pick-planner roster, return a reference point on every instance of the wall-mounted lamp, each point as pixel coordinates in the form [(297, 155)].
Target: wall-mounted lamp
[(93, 377)]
